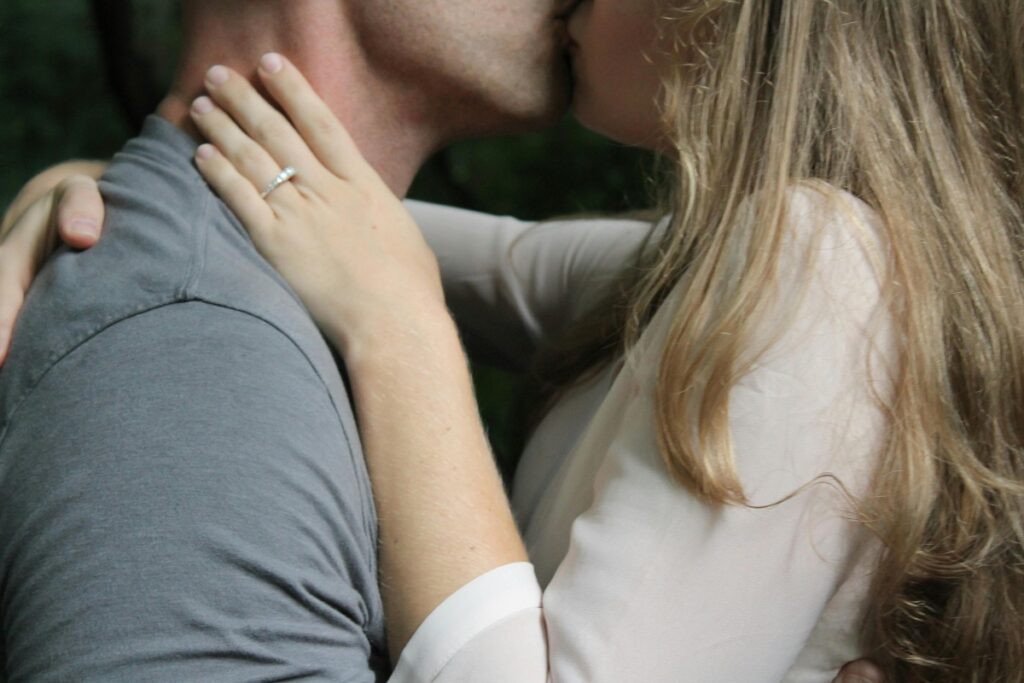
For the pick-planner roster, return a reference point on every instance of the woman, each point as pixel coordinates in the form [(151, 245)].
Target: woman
[(791, 436)]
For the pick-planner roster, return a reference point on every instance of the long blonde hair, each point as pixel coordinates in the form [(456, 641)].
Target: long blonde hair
[(917, 108)]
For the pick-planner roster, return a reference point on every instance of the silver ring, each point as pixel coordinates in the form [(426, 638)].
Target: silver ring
[(283, 177)]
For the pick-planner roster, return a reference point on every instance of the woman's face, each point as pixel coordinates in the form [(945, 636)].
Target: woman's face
[(613, 47)]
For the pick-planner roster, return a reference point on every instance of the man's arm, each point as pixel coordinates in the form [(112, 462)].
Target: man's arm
[(179, 502)]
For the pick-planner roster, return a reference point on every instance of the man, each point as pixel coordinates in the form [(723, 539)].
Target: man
[(183, 491)]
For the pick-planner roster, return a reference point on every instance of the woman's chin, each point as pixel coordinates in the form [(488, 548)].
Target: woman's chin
[(586, 117), (581, 110), (596, 121)]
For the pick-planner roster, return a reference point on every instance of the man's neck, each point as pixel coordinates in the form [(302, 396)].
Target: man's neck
[(390, 130)]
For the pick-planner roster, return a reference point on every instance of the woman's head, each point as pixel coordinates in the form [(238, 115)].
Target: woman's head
[(917, 108)]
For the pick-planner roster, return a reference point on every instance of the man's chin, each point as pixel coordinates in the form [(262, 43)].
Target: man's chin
[(515, 104), (556, 110), (551, 103)]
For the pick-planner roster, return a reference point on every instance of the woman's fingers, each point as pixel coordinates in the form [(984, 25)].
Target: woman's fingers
[(260, 121), (249, 158), (24, 246), (237, 191), (315, 121), (80, 211), (10, 305), (860, 671), (72, 211)]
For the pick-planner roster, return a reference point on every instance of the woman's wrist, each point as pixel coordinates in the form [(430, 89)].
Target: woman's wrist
[(397, 336)]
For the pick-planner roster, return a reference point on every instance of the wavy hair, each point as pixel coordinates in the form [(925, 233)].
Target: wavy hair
[(917, 108)]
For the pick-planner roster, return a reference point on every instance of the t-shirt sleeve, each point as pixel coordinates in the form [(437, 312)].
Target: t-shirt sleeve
[(512, 284), (658, 586), (181, 502)]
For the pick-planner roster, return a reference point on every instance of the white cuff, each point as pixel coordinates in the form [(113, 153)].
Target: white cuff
[(466, 613)]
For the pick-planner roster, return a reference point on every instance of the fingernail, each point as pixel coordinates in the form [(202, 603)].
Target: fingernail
[(217, 75), (206, 151), (271, 62), (202, 105), (86, 227)]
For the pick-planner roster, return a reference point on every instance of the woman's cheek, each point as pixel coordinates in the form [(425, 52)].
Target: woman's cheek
[(616, 83)]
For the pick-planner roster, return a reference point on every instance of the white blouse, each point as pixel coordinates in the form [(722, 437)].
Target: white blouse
[(632, 578)]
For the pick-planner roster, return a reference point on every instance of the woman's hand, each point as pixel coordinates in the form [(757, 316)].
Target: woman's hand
[(861, 671), (61, 203), (336, 232)]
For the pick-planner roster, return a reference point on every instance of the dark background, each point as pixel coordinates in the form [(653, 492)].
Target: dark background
[(77, 75)]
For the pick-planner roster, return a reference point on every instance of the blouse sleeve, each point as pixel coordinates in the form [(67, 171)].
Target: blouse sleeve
[(657, 586), (511, 284)]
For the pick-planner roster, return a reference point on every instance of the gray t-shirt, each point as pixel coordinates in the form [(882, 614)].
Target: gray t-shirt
[(183, 495)]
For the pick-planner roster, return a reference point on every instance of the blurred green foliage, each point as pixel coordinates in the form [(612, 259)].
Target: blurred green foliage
[(56, 103)]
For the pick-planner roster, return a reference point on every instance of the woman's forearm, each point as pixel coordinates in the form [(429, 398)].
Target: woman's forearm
[(443, 513)]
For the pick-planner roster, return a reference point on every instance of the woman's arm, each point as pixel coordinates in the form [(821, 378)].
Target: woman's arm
[(444, 517), (512, 284)]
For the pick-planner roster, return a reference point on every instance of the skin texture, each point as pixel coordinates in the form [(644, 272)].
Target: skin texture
[(406, 77), (490, 66), (614, 58)]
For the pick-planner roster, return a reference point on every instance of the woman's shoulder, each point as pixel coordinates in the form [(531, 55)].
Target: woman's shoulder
[(830, 269), (825, 226), (829, 282)]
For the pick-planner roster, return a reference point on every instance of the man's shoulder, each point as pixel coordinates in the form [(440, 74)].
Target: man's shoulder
[(167, 240), (195, 443), (80, 295), (219, 337), (211, 296)]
